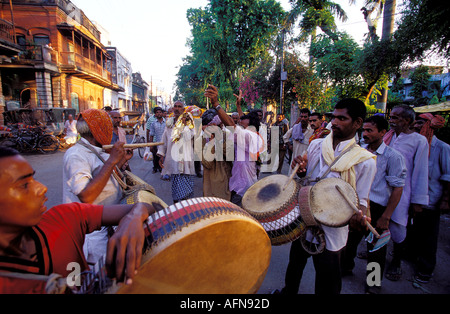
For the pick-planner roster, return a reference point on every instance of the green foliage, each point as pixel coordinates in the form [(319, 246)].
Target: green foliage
[(424, 26), (236, 44), (420, 78), (229, 37)]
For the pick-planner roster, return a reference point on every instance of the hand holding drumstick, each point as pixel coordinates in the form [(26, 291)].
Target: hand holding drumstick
[(299, 167)]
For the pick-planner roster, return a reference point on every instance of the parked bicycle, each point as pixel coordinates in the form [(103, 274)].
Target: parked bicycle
[(31, 139), (137, 139)]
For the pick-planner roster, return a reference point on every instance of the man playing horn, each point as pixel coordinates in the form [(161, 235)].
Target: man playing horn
[(87, 179)]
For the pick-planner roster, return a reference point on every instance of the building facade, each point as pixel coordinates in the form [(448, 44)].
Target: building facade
[(121, 75), (140, 93), (62, 62)]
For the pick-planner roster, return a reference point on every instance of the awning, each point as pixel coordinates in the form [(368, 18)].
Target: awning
[(443, 106)]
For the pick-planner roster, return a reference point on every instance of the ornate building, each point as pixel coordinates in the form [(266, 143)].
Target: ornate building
[(61, 63)]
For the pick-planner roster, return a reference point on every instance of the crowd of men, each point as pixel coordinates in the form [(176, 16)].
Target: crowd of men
[(399, 169)]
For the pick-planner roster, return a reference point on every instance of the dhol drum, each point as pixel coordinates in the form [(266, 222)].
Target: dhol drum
[(322, 203), (202, 246), (275, 206)]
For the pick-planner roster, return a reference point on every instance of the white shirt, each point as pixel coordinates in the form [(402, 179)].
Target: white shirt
[(71, 133), (178, 156), (336, 238), (80, 166)]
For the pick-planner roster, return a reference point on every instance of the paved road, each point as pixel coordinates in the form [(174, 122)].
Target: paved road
[(49, 171)]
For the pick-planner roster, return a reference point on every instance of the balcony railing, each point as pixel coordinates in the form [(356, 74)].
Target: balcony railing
[(79, 62), (34, 53), (6, 31)]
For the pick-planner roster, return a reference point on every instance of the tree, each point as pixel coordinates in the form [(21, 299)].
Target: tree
[(230, 37), (420, 79), (424, 27), (317, 14)]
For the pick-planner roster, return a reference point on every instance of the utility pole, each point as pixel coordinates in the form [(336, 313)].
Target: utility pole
[(283, 75)]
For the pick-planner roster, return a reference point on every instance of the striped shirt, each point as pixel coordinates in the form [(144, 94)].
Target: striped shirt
[(391, 173), (157, 130)]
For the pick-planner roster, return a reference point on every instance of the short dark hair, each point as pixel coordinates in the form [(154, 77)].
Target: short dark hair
[(253, 119), (157, 108), (8, 152), (305, 110), (318, 114), (355, 108), (379, 121)]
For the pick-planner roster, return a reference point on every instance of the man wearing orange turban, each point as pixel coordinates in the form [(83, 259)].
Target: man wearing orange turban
[(425, 230), (88, 179)]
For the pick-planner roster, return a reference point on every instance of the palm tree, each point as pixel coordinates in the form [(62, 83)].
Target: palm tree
[(388, 9), (316, 14)]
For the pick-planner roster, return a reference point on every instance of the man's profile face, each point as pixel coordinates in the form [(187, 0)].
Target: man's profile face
[(22, 199)]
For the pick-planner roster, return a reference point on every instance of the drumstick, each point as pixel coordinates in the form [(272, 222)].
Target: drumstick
[(291, 176), (133, 146), (357, 210)]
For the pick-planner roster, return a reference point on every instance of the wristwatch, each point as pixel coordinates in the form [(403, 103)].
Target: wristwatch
[(217, 107)]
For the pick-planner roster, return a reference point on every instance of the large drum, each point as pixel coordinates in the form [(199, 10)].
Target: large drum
[(202, 246), (322, 203), (275, 206)]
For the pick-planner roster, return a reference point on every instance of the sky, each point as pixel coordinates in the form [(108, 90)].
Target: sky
[(152, 34)]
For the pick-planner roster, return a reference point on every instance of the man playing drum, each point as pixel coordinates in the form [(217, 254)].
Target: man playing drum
[(357, 167), (37, 242)]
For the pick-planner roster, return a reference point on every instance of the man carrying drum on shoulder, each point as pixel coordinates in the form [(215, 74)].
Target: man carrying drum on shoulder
[(357, 167)]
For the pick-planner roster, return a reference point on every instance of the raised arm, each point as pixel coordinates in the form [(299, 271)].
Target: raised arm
[(238, 103), (212, 93)]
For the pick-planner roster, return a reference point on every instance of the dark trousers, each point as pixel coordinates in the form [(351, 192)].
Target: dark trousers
[(156, 166), (355, 237), (423, 239), (327, 266), (281, 154)]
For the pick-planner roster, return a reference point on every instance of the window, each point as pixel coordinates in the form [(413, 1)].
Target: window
[(41, 40), (21, 40), (74, 102)]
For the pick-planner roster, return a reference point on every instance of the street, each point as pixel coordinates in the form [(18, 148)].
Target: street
[(49, 171)]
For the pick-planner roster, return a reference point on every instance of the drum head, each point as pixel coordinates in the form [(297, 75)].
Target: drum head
[(267, 195), (328, 206), (222, 254)]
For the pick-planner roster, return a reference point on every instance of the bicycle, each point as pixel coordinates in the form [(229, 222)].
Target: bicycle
[(30, 139), (138, 139)]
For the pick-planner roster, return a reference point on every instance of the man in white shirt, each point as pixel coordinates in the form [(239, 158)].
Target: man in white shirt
[(70, 128), (87, 179), (358, 168), (177, 154)]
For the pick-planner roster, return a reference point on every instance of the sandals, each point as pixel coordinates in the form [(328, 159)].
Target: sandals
[(394, 273)]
